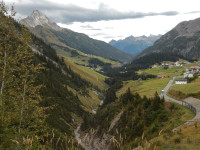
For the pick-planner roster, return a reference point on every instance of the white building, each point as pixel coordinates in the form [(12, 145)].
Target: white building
[(188, 75), (181, 81)]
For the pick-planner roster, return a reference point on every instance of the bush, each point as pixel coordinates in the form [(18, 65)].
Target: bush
[(177, 140)]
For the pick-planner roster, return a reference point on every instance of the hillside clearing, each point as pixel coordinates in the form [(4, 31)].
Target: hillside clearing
[(145, 87), (174, 71), (90, 75), (183, 91)]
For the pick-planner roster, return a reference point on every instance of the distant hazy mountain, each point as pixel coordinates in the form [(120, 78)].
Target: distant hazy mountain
[(134, 45), (183, 40), (62, 38)]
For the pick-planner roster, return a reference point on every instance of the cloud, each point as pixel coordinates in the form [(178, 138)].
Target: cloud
[(88, 27), (71, 13), (99, 34), (193, 12), (112, 37)]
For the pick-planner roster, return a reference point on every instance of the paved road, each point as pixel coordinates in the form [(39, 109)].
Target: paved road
[(191, 103), (165, 91)]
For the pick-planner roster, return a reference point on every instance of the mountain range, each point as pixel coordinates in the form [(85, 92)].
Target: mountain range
[(183, 39), (46, 105), (134, 45), (62, 38)]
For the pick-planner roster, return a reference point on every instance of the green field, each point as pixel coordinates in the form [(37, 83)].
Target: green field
[(83, 58), (145, 87), (174, 71), (183, 91), (90, 75), (192, 64)]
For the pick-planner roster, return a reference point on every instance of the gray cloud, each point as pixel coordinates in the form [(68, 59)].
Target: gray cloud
[(193, 12), (72, 13), (88, 27), (99, 34)]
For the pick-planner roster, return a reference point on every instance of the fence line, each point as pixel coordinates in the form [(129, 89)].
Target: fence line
[(192, 108)]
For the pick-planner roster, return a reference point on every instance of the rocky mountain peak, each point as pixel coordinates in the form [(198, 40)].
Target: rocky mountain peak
[(38, 18), (36, 14)]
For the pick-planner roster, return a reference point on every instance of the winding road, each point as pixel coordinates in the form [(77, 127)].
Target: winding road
[(165, 91), (190, 102)]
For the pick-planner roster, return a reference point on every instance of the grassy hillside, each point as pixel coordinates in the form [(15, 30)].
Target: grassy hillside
[(67, 38), (90, 102), (183, 91), (175, 71), (145, 87), (187, 137), (92, 76), (166, 139), (82, 58)]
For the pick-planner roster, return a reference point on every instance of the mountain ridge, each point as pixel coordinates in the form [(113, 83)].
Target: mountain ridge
[(61, 38), (134, 45), (183, 39), (37, 18)]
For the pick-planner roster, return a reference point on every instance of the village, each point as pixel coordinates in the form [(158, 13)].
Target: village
[(190, 72)]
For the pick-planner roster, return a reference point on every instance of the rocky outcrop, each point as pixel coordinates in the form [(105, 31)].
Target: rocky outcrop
[(89, 141), (37, 18)]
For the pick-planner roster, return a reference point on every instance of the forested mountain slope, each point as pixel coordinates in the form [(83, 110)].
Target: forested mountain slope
[(38, 111)]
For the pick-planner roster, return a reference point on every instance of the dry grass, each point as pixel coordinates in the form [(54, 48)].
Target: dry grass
[(89, 103), (187, 138)]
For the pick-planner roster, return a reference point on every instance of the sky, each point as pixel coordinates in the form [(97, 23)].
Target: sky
[(112, 19)]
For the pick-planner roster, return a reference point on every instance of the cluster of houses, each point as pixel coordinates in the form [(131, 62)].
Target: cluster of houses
[(188, 74), (191, 71), (171, 64)]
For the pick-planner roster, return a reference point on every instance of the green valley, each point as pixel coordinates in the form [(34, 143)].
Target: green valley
[(63, 90)]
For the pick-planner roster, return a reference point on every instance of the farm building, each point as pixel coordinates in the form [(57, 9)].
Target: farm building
[(181, 81)]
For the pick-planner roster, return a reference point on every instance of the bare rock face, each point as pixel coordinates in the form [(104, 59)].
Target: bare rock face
[(37, 18), (92, 142)]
